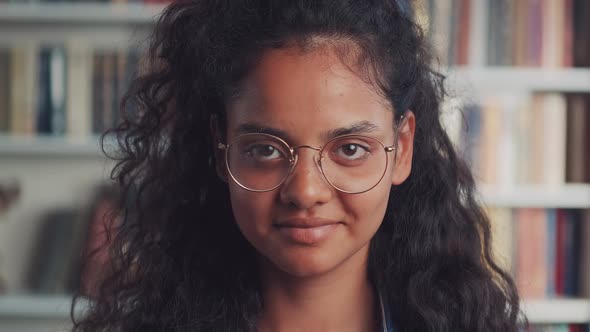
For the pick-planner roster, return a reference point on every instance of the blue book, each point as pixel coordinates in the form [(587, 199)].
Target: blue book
[(571, 250), (44, 95)]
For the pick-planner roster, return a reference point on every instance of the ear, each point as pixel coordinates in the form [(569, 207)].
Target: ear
[(219, 154), (405, 148)]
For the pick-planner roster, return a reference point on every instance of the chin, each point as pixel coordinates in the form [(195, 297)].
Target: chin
[(304, 262)]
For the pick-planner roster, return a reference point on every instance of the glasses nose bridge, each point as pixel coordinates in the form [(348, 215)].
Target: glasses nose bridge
[(316, 158), (315, 148)]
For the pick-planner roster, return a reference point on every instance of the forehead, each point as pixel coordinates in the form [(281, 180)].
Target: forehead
[(307, 93)]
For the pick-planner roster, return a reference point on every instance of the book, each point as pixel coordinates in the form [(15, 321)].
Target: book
[(64, 90), (581, 39), (578, 136), (553, 140), (51, 253), (520, 18), (4, 90), (561, 251), (98, 100), (23, 73), (464, 30), (79, 91), (534, 32), (552, 259), (502, 226), (531, 249), (584, 255), (52, 91), (490, 156), (442, 31)]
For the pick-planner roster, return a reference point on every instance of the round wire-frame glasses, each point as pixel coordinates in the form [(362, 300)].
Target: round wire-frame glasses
[(293, 158)]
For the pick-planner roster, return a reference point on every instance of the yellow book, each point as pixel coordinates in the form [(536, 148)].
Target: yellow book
[(79, 91), (502, 237), (23, 73)]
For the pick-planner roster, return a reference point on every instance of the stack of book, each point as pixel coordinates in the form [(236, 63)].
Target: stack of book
[(557, 328), (62, 90), (541, 139), (545, 249), (535, 33)]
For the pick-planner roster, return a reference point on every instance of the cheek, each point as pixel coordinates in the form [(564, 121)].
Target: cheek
[(368, 209), (252, 211)]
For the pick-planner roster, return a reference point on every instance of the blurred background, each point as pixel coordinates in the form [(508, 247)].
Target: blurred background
[(518, 110)]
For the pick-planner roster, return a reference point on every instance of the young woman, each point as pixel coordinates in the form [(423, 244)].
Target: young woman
[(292, 174)]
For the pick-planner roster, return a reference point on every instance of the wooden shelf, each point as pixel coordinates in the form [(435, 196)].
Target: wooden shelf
[(79, 13), (575, 196), (518, 79)]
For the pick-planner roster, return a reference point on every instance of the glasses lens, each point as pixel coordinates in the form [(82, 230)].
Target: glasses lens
[(354, 164), (258, 161)]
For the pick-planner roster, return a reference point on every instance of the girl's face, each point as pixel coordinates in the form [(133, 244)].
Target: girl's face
[(305, 227)]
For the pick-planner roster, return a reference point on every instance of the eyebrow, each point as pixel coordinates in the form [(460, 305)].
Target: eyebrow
[(361, 127), (253, 128)]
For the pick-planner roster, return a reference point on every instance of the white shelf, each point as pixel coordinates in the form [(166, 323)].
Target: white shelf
[(58, 307), (575, 196), (38, 306), (518, 79), (79, 13), (553, 311), (48, 146)]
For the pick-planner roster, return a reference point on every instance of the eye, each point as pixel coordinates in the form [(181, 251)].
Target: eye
[(263, 152), (350, 151)]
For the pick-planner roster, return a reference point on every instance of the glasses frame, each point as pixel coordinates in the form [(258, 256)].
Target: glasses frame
[(293, 158)]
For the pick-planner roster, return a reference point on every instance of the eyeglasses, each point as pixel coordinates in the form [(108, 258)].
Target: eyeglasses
[(351, 164)]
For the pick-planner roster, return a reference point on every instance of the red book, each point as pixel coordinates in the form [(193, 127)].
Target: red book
[(560, 252), (568, 34), (531, 271), (464, 28), (534, 33)]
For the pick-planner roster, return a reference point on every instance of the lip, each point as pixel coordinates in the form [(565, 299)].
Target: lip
[(307, 231), (305, 222)]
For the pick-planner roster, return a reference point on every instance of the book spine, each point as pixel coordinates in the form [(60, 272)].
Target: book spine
[(531, 250), (23, 90), (57, 90), (4, 90), (79, 92)]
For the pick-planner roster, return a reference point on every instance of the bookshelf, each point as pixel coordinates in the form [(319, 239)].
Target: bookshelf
[(57, 308), (518, 80), (58, 170), (34, 307), (79, 13), (557, 311), (495, 65), (37, 313), (112, 26), (49, 146), (105, 25), (570, 196)]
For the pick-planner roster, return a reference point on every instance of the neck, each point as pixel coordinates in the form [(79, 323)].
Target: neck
[(340, 300)]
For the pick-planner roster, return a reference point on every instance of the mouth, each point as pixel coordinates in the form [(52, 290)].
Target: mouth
[(307, 231)]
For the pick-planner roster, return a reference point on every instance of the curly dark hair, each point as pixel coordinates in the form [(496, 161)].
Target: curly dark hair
[(182, 264)]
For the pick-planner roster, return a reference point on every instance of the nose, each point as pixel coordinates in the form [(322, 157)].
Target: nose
[(306, 186)]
